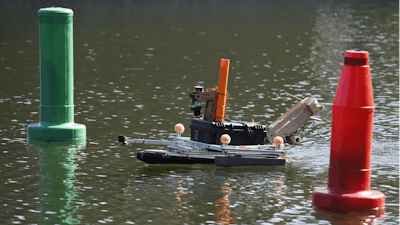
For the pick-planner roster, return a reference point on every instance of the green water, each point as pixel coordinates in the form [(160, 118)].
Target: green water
[(135, 64)]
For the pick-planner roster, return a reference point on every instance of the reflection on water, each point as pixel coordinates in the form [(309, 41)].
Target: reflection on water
[(136, 62), (58, 195), (223, 214), (351, 218)]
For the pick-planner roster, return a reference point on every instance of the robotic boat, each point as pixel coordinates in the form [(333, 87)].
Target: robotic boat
[(216, 140)]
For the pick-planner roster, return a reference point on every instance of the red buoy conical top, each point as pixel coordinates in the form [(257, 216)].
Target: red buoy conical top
[(351, 141)]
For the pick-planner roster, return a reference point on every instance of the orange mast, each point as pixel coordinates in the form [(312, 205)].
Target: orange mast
[(220, 113)]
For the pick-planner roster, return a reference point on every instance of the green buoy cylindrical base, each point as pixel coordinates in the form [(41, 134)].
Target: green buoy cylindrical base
[(57, 132)]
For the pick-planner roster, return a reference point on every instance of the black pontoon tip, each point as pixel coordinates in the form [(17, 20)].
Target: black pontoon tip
[(121, 139)]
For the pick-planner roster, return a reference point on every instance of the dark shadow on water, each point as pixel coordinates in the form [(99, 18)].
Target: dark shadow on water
[(160, 169)]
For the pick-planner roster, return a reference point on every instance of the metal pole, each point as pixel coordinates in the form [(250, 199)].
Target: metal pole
[(222, 91)]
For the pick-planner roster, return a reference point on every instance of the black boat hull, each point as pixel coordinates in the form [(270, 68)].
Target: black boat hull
[(162, 157), (248, 161), (153, 156)]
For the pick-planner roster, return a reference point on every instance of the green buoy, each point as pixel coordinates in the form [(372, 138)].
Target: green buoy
[(56, 117)]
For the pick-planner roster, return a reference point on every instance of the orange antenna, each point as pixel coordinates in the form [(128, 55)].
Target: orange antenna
[(222, 91)]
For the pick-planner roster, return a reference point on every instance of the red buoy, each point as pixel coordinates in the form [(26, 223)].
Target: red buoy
[(351, 142)]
